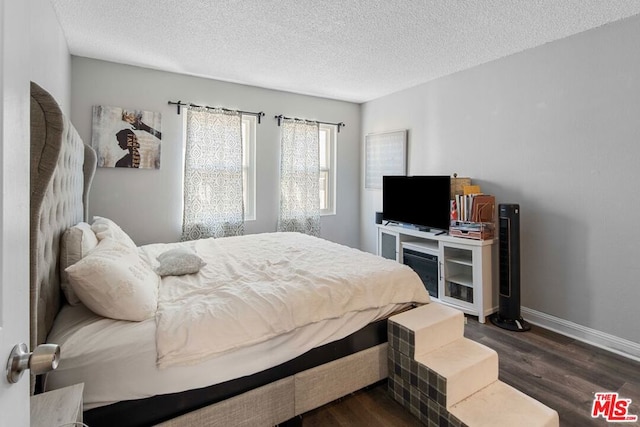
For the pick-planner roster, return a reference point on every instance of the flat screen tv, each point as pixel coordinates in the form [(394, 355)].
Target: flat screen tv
[(421, 201)]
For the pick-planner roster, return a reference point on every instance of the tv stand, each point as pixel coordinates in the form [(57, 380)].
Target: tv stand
[(465, 266)]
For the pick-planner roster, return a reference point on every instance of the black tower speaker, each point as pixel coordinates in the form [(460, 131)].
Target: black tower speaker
[(508, 316)]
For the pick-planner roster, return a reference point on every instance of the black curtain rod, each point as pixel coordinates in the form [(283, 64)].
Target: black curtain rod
[(190, 104), (281, 117)]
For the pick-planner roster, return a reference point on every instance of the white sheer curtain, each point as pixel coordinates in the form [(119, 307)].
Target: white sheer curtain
[(299, 177), (213, 204)]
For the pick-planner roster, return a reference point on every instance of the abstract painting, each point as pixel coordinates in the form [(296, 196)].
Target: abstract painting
[(126, 138), (385, 154)]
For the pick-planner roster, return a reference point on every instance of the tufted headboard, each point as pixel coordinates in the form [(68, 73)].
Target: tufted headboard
[(62, 168)]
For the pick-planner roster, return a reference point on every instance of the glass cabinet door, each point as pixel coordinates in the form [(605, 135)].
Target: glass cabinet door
[(458, 275), (388, 245)]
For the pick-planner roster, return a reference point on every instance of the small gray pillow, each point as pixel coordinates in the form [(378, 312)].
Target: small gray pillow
[(176, 262)]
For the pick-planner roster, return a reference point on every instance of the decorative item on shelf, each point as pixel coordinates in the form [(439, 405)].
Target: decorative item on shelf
[(458, 184), (475, 215), (471, 189)]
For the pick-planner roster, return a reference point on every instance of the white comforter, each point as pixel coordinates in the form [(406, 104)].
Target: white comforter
[(259, 286)]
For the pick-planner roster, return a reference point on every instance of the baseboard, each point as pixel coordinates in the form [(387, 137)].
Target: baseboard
[(590, 336)]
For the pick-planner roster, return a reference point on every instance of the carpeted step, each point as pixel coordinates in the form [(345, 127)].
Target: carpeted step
[(466, 366), (499, 405), (425, 328)]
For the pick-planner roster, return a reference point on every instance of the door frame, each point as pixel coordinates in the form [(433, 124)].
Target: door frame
[(14, 210)]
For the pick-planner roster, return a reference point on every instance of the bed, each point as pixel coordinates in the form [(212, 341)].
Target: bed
[(247, 330)]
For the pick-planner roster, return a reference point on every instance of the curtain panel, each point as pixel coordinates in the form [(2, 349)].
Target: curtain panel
[(299, 177), (213, 201)]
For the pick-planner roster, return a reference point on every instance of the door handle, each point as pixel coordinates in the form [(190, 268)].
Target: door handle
[(43, 359)]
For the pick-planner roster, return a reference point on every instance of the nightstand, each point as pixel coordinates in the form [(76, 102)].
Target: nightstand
[(57, 407)]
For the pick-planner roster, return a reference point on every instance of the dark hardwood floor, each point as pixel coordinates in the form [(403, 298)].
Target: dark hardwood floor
[(558, 371)]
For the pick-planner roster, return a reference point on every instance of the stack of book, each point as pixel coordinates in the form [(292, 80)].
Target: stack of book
[(473, 214)]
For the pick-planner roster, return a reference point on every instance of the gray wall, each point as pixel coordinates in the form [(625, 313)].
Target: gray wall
[(49, 57), (148, 203), (555, 129)]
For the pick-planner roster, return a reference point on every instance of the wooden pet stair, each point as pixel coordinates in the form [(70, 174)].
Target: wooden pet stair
[(445, 379)]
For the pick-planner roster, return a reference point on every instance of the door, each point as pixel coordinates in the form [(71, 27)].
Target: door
[(388, 244), (14, 209)]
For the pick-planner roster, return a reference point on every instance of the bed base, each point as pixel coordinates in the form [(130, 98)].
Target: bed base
[(290, 397), (294, 375)]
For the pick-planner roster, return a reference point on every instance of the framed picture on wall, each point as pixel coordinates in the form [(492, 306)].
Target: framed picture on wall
[(126, 138), (385, 154)]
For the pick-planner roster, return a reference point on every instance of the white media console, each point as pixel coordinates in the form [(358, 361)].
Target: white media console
[(464, 277)]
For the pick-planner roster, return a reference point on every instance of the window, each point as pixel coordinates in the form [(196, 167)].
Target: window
[(249, 166), (327, 141)]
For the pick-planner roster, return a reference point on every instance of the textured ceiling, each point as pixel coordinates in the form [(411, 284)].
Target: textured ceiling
[(353, 50)]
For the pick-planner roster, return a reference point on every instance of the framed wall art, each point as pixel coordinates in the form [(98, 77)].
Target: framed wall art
[(126, 138), (385, 154)]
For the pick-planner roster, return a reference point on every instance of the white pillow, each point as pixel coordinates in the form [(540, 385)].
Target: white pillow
[(179, 261), (113, 281), (75, 244), (104, 228)]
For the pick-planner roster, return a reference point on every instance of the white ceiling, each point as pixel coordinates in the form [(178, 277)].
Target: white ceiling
[(352, 50)]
